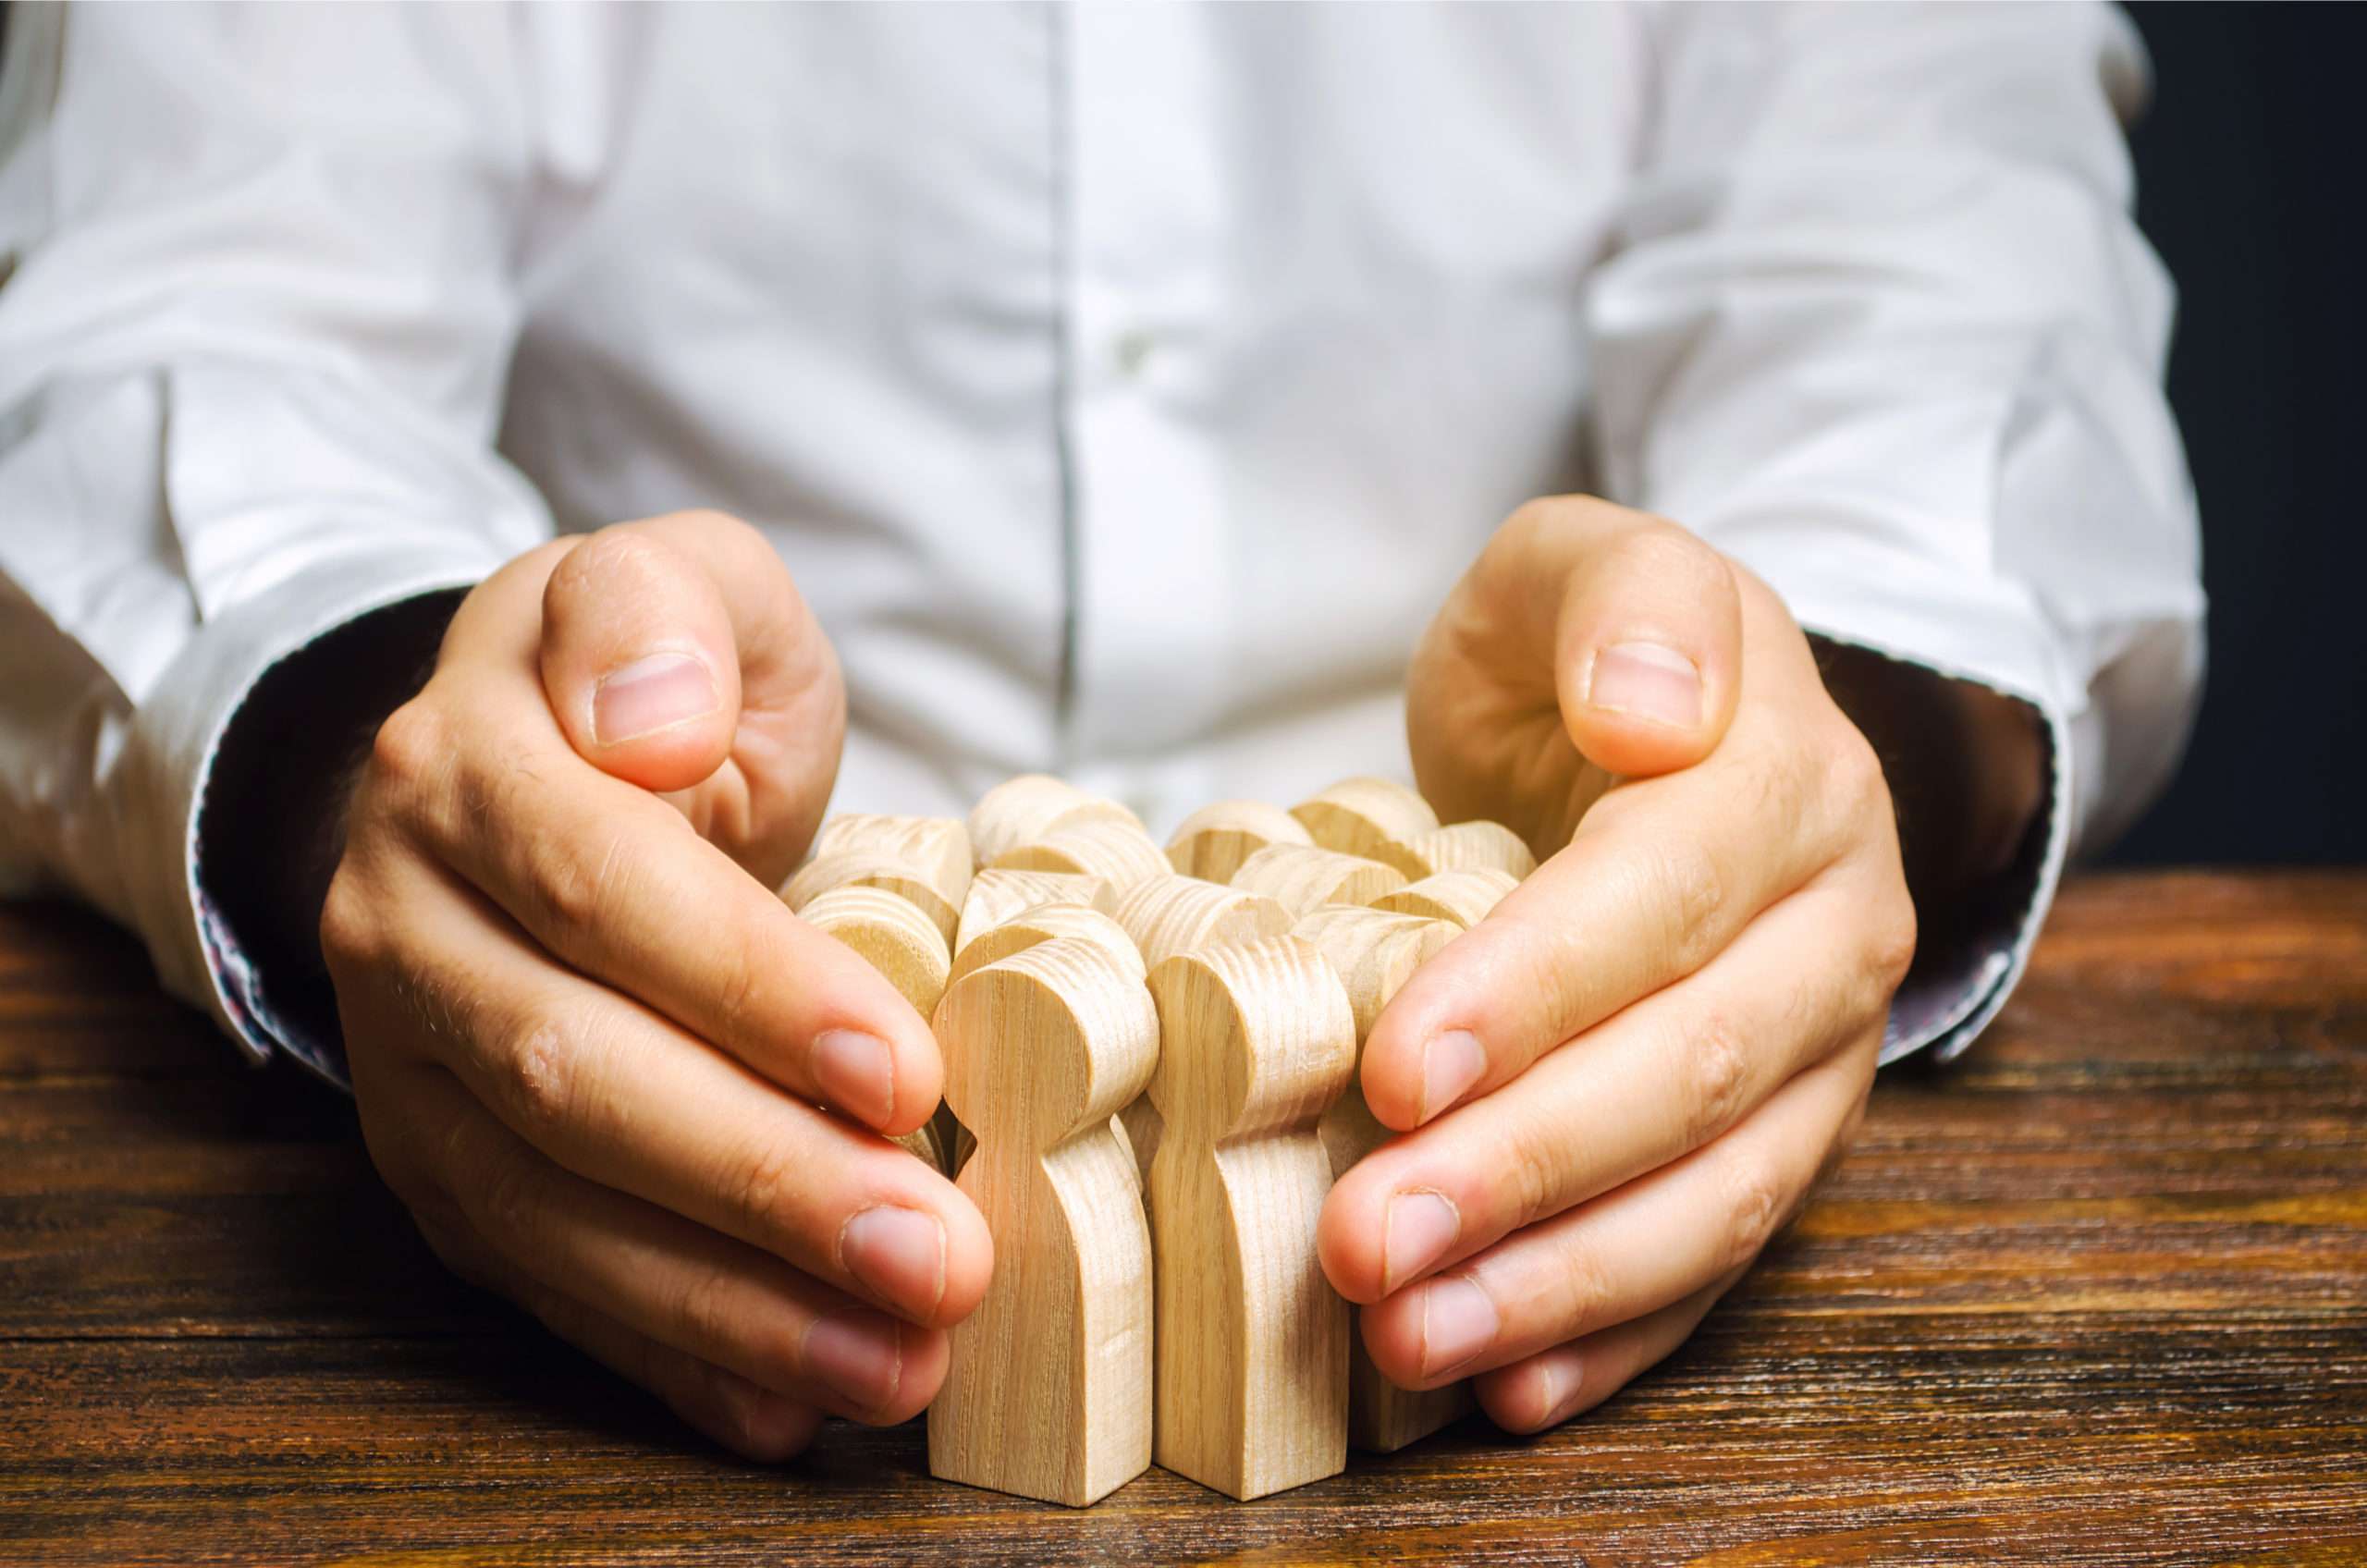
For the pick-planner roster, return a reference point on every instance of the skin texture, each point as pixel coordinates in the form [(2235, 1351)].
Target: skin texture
[(587, 1040), (1626, 1079)]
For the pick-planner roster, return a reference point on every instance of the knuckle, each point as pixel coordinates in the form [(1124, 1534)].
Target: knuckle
[(1536, 1161), (536, 1078), (1586, 1293), (1692, 890), (410, 748), (1715, 1071), (350, 932), (573, 891), (510, 1198), (1891, 947), (1754, 1204), (765, 1180)]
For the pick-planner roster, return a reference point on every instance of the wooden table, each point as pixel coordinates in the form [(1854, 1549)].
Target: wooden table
[(2096, 1294)]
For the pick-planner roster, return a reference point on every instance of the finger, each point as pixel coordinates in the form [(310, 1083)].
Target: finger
[(1653, 1083), (640, 660), (1660, 877), (1647, 646), (697, 1294), (623, 1099), (605, 876), (1554, 1385), (1631, 1251), (754, 1422)]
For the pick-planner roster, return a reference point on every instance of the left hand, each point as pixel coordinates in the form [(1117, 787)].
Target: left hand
[(1619, 1086)]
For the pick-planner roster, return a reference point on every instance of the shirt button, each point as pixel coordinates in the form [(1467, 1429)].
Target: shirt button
[(1131, 352)]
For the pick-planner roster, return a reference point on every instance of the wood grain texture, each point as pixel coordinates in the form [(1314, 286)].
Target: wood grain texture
[(892, 935), (1167, 915), (1119, 853), (1462, 897), (1213, 841), (1358, 817), (2096, 1294), (1302, 878), (1463, 846), (869, 869), (1023, 809), (996, 895), (937, 846), (1046, 923), (1255, 1041), (1048, 1392), (1375, 951)]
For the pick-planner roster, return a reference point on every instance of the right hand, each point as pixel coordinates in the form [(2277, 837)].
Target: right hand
[(591, 1046)]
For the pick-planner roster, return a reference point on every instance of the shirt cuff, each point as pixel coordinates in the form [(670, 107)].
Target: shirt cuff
[(169, 762)]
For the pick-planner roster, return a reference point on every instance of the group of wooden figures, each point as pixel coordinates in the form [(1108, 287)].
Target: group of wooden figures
[(1151, 1062)]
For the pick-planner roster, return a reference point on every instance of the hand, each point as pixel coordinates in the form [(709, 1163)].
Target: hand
[(1621, 1084), (588, 1041)]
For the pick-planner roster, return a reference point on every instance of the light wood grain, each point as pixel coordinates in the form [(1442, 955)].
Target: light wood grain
[(1375, 952), (1046, 923), (1464, 846), (937, 846), (1462, 899), (1023, 809), (892, 934), (996, 895), (1119, 853), (868, 868), (1255, 1040), (1358, 817), (1213, 841), (1302, 879), (1049, 1388)]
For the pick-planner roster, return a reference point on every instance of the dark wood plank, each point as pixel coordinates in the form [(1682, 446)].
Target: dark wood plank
[(2095, 1295)]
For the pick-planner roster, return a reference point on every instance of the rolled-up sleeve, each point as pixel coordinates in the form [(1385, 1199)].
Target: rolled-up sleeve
[(253, 333), (1879, 325)]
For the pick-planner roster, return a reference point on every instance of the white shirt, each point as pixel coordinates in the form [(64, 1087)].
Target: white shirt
[(1125, 385)]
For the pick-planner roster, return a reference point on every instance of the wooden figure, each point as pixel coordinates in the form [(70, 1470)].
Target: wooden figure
[(865, 868), (1023, 810), (1167, 915), (1046, 922), (1121, 853), (937, 846), (1465, 846), (1301, 879), (1049, 1394), (1179, 914), (1375, 952), (1214, 841), (1462, 897), (996, 895), (892, 935), (1358, 817), (1255, 1040)]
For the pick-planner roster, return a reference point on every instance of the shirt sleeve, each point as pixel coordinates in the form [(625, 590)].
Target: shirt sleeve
[(255, 316), (1877, 324)]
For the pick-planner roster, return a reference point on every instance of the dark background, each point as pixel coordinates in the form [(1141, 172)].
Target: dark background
[(2248, 183)]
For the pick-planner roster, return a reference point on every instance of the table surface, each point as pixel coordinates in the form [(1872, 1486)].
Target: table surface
[(2096, 1293)]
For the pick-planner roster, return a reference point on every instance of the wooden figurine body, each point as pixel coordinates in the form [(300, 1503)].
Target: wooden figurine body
[(1049, 1394), (1255, 1040), (1462, 899), (1360, 816), (1375, 952), (1023, 810), (1303, 878), (996, 895), (1464, 846), (1215, 840)]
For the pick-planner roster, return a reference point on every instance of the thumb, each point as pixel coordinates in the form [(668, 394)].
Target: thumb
[(638, 661), (1648, 647)]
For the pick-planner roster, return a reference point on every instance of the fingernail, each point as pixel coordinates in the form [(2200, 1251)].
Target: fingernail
[(1452, 1062), (1458, 1322), (899, 1253), (649, 694), (1562, 1373), (859, 1354), (1648, 680), (1415, 1230), (856, 1072)]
